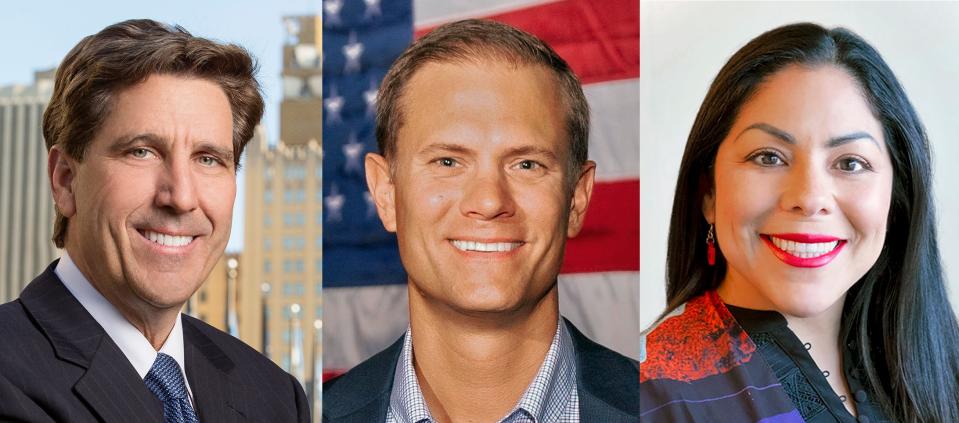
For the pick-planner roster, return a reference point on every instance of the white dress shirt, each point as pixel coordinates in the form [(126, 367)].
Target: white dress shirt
[(131, 341)]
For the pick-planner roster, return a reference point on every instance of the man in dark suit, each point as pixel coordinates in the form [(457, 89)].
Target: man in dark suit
[(144, 130), (483, 174)]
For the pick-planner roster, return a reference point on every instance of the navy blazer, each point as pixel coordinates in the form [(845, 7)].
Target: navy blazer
[(607, 383), (58, 365)]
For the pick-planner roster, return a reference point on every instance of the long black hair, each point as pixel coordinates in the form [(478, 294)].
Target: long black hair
[(897, 316)]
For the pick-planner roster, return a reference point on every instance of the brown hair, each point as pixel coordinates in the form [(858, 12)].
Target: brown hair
[(468, 41), (127, 53)]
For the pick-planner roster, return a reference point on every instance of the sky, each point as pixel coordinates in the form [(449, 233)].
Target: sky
[(35, 35)]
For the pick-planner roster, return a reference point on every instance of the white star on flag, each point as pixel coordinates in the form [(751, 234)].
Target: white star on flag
[(369, 96), (333, 105), (372, 9), (334, 202), (353, 50), (331, 12), (352, 151)]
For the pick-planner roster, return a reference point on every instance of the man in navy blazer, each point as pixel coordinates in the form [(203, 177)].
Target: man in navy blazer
[(144, 131), (483, 174)]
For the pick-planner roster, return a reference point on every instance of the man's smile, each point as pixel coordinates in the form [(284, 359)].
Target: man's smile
[(485, 247)]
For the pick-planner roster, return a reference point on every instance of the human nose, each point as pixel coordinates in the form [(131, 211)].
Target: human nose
[(487, 197), (807, 191), (177, 187)]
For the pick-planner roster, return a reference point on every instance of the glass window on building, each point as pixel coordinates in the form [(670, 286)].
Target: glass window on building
[(318, 312), (294, 172), (294, 195), (318, 288), (293, 219), (268, 196), (293, 289), (293, 242), (267, 244), (267, 266), (267, 220), (293, 266)]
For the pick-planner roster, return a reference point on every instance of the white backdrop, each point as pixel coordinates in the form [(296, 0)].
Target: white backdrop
[(683, 46)]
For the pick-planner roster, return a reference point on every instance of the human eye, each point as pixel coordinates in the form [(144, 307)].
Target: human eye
[(852, 164), (140, 152), (446, 162), (767, 158), (529, 165), (207, 160)]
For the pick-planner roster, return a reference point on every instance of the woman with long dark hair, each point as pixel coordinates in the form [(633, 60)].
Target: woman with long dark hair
[(803, 274)]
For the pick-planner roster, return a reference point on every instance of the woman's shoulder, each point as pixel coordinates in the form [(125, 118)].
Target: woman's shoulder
[(700, 338)]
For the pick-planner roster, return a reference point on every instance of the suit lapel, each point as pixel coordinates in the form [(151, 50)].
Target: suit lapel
[(363, 394), (608, 383), (216, 395), (110, 385), (113, 388)]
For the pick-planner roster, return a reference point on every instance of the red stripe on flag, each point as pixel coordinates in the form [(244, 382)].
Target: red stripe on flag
[(599, 40), (609, 240)]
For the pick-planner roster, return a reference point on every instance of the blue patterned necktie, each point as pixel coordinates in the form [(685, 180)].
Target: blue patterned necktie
[(166, 382)]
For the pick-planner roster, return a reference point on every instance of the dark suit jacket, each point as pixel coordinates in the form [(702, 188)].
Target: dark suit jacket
[(58, 365), (607, 383)]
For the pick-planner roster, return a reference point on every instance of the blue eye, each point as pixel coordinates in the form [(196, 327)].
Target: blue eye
[(140, 152), (209, 161)]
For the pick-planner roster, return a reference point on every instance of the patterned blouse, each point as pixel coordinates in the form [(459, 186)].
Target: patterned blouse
[(707, 362)]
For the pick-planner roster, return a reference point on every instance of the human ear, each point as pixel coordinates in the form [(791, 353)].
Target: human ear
[(709, 206), (61, 170), (579, 201), (380, 184)]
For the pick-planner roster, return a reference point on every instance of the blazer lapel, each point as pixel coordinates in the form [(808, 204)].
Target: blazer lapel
[(110, 385), (216, 395), (608, 383), (363, 393), (113, 388)]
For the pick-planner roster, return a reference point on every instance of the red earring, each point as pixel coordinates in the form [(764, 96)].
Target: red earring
[(710, 247)]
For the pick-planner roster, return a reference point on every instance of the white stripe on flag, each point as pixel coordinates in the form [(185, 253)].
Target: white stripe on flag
[(614, 133), (434, 12), (361, 321), (603, 306)]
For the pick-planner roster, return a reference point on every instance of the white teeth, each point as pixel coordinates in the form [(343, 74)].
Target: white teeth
[(491, 247), (168, 240), (802, 249)]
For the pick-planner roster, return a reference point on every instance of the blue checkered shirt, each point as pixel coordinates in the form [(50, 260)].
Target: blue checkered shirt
[(550, 398)]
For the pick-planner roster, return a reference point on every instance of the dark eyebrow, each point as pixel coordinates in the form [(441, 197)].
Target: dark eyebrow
[(126, 141), (789, 139), (848, 138), (771, 130), (223, 153), (437, 147), (526, 150)]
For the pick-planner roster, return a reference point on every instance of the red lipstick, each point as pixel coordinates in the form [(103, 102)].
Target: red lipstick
[(796, 261)]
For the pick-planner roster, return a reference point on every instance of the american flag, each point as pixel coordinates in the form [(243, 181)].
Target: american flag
[(364, 285)]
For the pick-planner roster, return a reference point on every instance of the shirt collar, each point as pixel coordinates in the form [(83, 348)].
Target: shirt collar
[(128, 338), (544, 400)]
